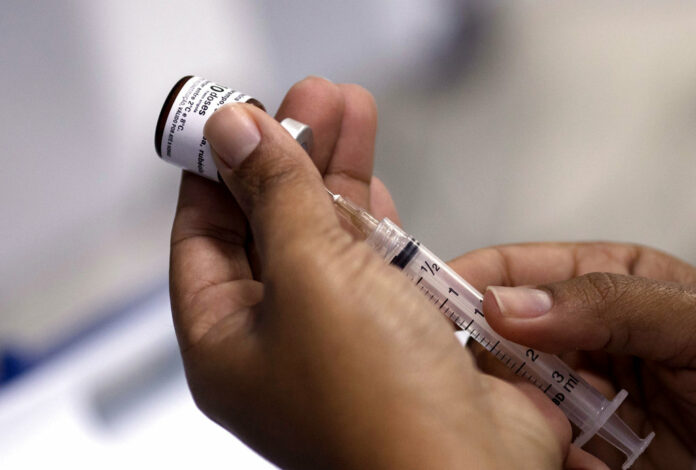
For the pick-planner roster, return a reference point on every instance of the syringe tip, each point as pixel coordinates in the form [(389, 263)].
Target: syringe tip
[(358, 218)]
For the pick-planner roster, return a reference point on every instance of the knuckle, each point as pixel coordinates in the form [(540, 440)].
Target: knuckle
[(327, 241), (265, 178), (356, 261), (621, 254), (363, 102), (603, 296), (313, 81), (318, 253), (326, 273), (358, 92), (602, 288), (316, 88)]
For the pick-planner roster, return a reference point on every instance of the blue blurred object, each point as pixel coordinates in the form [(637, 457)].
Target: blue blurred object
[(12, 364), (16, 360), (112, 395)]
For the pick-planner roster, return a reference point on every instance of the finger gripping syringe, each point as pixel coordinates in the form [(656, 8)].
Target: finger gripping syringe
[(460, 302), (179, 140)]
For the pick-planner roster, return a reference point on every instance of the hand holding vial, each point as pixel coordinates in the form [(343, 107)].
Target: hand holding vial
[(300, 340)]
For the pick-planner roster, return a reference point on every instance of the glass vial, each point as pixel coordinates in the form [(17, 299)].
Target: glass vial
[(179, 136)]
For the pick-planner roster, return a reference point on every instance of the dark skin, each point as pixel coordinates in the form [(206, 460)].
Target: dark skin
[(280, 350), (625, 316)]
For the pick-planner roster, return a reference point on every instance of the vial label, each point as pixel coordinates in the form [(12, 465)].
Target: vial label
[(183, 143)]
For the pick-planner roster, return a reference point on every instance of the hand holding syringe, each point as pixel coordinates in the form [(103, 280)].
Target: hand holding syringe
[(584, 406), (633, 303)]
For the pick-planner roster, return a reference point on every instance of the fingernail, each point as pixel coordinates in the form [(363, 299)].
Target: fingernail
[(521, 302), (233, 134)]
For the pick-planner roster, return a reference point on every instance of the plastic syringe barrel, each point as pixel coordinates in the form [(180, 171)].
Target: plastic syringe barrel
[(593, 413), (584, 406)]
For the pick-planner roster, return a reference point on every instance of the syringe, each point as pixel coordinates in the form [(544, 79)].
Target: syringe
[(179, 140), (584, 406)]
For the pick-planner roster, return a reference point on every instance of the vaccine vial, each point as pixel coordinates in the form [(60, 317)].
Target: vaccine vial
[(179, 136)]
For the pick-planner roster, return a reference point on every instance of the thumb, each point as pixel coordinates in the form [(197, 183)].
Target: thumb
[(274, 181), (617, 313)]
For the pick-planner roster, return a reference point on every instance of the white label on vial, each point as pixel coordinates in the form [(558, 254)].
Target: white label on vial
[(183, 143)]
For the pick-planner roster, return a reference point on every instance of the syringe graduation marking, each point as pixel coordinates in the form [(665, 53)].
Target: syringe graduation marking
[(406, 255), (519, 369), (462, 303)]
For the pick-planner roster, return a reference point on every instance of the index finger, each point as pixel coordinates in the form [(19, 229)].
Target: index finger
[(542, 263), (344, 120)]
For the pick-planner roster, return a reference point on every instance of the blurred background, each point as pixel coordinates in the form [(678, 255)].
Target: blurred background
[(500, 122)]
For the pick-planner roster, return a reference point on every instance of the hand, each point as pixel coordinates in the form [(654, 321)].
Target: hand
[(630, 308), (304, 343)]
